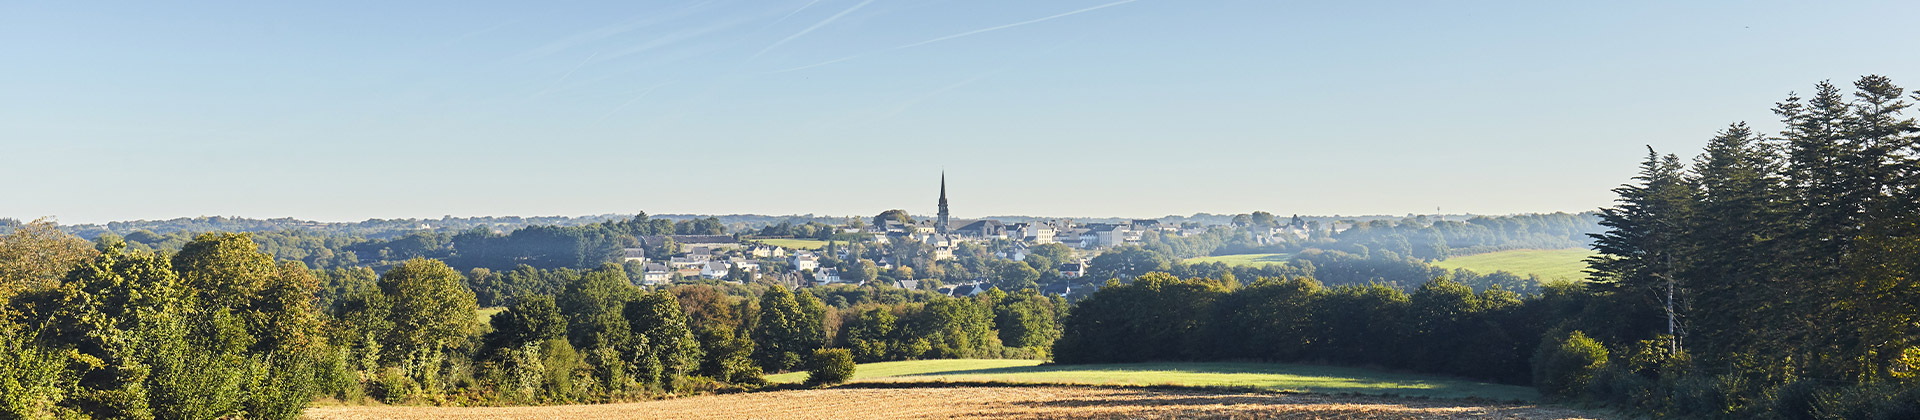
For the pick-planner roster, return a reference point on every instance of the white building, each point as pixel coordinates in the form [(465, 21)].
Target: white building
[(655, 274), (804, 260), (714, 270)]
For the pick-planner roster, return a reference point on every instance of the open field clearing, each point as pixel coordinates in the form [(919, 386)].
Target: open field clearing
[(1549, 264), (486, 314), (1267, 376), (794, 243), (969, 402), (1249, 260)]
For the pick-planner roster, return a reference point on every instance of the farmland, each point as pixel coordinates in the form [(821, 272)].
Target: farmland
[(1265, 376), (1248, 260), (794, 243), (1549, 264), (981, 402)]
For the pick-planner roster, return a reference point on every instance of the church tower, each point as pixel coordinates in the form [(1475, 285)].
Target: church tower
[(941, 226)]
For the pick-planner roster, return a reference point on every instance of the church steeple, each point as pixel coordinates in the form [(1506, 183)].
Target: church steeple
[(941, 226)]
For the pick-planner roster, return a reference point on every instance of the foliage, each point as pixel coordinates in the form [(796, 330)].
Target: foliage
[(830, 366), (786, 329), (1565, 367), (217, 331), (34, 256)]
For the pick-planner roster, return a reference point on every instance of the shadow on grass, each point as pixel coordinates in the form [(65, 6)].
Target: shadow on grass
[(1257, 376)]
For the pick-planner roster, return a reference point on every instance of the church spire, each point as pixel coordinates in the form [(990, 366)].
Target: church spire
[(941, 226)]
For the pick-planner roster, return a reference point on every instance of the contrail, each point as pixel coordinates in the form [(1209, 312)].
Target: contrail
[(563, 78), (824, 22), (958, 35), (794, 12), (636, 98), (602, 33), (1010, 25), (816, 64)]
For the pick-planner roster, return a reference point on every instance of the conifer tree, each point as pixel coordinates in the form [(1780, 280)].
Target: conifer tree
[(1739, 220), (1643, 250)]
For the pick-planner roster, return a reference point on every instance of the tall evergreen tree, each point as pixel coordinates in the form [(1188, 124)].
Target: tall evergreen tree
[(1643, 250), (1739, 219)]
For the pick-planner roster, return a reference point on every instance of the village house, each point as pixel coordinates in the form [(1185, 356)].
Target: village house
[(987, 229), (1034, 232), (767, 251), (826, 276), (1074, 270), (1104, 235), (965, 289), (1057, 289), (1016, 252), (744, 264), (656, 274), (682, 263), (804, 260), (714, 270), (633, 254)]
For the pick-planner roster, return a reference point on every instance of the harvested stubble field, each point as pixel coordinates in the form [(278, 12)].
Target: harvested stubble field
[(984, 402)]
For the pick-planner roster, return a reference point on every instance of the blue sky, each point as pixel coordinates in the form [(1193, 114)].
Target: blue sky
[(349, 110)]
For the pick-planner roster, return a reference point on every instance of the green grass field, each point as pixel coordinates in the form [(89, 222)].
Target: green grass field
[(794, 243), (1248, 260), (1269, 376), (1549, 264), (486, 314)]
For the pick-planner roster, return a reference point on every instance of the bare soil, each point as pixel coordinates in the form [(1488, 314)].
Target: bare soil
[(975, 402)]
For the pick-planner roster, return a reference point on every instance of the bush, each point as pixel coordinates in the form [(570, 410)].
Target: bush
[(830, 366), (393, 386), (1793, 401), (1565, 368), (32, 380), (1697, 396)]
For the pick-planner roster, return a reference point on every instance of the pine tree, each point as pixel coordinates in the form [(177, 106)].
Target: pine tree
[(1643, 250), (1739, 219)]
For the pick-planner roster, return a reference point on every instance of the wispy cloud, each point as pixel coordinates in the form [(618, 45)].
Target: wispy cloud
[(676, 37), (1010, 25), (910, 103), (802, 8), (605, 32), (958, 35), (636, 98), (563, 77), (810, 29), (818, 64)]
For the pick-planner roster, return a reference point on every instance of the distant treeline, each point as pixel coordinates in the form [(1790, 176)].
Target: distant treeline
[(1443, 239), (1441, 327)]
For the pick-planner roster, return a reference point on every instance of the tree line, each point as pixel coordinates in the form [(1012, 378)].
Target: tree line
[(1775, 276), (220, 329)]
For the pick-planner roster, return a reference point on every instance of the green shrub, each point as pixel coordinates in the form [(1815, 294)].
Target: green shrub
[(393, 386), (282, 385), (830, 366), (1700, 397), (32, 380), (1905, 405), (1565, 367), (1793, 401)]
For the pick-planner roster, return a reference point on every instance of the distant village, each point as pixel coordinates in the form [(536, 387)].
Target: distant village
[(743, 258)]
